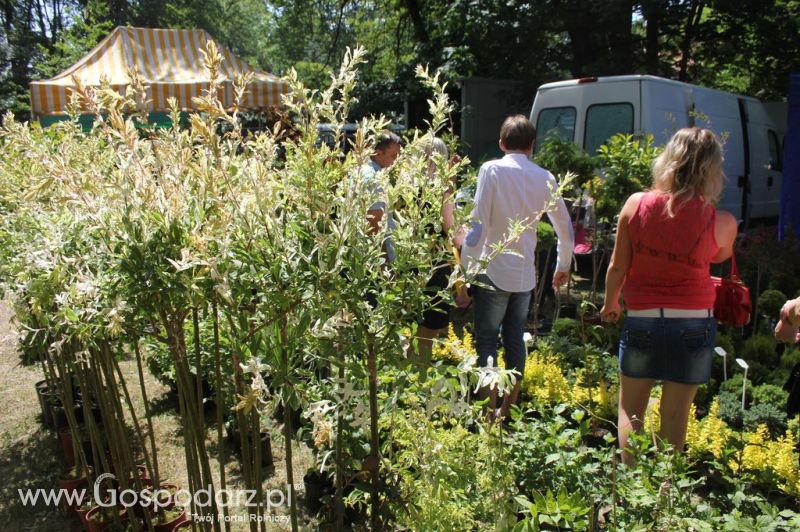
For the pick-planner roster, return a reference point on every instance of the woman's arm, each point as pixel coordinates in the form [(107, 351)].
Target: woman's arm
[(620, 262), (725, 233)]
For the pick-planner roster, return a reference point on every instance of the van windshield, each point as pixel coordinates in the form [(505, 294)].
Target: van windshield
[(555, 121), (605, 120)]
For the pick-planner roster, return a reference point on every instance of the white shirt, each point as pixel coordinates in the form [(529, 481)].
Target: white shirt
[(515, 189)]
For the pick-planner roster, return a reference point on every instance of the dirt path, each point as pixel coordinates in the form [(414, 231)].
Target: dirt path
[(29, 453), (31, 456)]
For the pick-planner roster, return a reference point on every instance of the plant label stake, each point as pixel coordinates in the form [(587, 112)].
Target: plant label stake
[(721, 352), (744, 365)]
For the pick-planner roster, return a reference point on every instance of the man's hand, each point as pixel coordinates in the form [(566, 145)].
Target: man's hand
[(560, 279), (786, 330)]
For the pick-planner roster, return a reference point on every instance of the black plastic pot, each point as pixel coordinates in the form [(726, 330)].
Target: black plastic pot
[(266, 450), (87, 451), (41, 394), (316, 486), (568, 311), (79, 414), (296, 417), (232, 433), (266, 445), (60, 421)]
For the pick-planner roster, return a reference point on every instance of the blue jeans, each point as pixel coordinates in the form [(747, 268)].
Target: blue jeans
[(668, 349), (493, 308)]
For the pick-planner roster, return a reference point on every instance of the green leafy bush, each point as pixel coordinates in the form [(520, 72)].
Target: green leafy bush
[(627, 168), (790, 357), (770, 303), (771, 415), (449, 478), (549, 454), (567, 329), (545, 236), (562, 156), (770, 394), (730, 407), (760, 353)]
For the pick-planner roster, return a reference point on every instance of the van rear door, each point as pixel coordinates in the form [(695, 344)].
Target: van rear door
[(765, 159), (587, 113)]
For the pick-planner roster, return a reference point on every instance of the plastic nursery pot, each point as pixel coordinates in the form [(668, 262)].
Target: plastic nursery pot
[(165, 495), (266, 450), (41, 393), (296, 416), (59, 417), (141, 470), (100, 519), (65, 437), (87, 451), (95, 410), (168, 519), (74, 477), (232, 432), (316, 486), (186, 524), (83, 509), (72, 480)]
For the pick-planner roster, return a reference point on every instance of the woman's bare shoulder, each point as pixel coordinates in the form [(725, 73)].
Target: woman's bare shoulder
[(726, 220), (631, 204), (726, 228)]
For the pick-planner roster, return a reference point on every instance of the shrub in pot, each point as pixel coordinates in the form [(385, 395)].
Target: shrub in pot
[(165, 495), (167, 519), (74, 478)]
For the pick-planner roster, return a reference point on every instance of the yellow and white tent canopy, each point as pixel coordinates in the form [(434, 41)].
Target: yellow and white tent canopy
[(170, 64)]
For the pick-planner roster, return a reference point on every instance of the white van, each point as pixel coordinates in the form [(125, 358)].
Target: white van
[(588, 111)]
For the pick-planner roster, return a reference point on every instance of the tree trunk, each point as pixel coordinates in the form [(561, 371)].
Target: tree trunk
[(692, 22), (652, 14)]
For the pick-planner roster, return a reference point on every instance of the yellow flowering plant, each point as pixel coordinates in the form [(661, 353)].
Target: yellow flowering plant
[(453, 349)]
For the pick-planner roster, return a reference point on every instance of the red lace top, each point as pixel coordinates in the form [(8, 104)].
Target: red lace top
[(671, 256)]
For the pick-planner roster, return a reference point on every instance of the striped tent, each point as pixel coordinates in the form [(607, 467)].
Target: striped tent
[(170, 64)]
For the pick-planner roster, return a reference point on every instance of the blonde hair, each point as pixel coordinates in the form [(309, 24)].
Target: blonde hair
[(689, 167)]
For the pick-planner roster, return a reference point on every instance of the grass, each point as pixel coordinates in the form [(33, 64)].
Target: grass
[(31, 456)]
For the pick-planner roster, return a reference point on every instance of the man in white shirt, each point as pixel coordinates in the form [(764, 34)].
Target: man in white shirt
[(513, 189)]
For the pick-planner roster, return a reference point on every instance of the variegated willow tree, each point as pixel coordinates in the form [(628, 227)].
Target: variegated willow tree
[(122, 234)]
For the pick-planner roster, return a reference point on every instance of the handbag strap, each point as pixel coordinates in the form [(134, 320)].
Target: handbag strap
[(734, 269)]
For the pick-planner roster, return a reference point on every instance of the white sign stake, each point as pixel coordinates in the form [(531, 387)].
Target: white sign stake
[(721, 352), (744, 365)]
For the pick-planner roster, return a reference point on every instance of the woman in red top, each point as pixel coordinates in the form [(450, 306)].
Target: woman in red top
[(666, 240)]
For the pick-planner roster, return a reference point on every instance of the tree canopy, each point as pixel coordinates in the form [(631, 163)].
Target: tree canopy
[(745, 46)]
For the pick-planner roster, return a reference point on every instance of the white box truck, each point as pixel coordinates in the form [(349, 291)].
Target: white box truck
[(588, 111)]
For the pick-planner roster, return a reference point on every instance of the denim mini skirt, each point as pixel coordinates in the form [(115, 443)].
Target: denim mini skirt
[(667, 349)]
